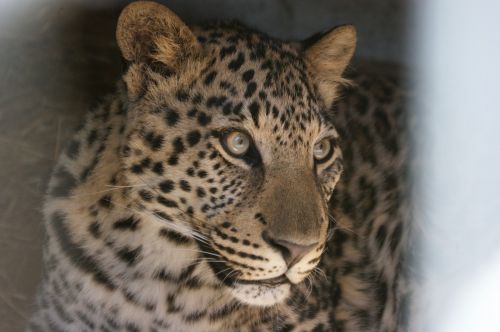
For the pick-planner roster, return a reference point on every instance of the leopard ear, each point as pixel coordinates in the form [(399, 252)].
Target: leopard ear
[(328, 56), (148, 31)]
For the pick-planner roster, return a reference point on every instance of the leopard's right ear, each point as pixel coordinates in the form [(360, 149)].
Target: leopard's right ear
[(149, 32), (328, 56)]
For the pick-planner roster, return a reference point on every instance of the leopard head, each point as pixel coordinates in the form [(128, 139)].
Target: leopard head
[(230, 131)]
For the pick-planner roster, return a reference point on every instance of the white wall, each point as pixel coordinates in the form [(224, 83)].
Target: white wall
[(457, 52)]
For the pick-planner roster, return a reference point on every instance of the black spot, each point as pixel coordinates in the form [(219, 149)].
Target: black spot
[(158, 168), (167, 202), (248, 75), (235, 64), (160, 68), (204, 119), (174, 236), (215, 101), (381, 235), (129, 223), (193, 137), (254, 111), (237, 109), (213, 155), (178, 145), (200, 192), (185, 185), (195, 316), (251, 87), (167, 186), (197, 99), (73, 149), (225, 51), (173, 160), (91, 138), (128, 255), (227, 109), (182, 96), (154, 141), (161, 215), (146, 195), (145, 162), (172, 117), (105, 201), (275, 112), (260, 217), (210, 78), (95, 229), (224, 311), (192, 113)]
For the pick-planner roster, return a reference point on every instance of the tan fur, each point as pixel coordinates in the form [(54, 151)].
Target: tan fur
[(130, 247), (148, 30), (329, 57)]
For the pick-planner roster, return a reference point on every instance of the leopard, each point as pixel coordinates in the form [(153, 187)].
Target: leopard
[(232, 182)]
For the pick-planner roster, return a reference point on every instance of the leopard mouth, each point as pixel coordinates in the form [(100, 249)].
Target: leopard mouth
[(230, 277), (272, 282)]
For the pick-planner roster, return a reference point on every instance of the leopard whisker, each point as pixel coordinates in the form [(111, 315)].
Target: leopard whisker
[(191, 233), (229, 274), (102, 191), (184, 213)]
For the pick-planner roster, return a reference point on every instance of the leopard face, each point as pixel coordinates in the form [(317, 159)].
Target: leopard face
[(228, 141)]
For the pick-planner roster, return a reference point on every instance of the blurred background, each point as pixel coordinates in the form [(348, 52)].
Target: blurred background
[(58, 56)]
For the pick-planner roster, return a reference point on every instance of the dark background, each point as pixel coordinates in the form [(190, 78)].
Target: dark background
[(58, 56)]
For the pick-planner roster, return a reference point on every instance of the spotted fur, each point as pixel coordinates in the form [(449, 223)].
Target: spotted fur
[(152, 225)]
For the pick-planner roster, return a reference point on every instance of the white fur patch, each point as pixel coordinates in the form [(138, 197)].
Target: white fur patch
[(261, 295)]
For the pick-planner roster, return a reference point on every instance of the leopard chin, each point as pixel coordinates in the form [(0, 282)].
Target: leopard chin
[(261, 294)]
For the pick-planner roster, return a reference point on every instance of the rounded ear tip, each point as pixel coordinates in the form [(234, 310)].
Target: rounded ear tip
[(134, 19), (141, 5), (347, 30), (134, 8), (149, 30)]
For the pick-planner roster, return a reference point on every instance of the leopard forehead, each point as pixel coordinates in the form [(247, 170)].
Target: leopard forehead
[(245, 80)]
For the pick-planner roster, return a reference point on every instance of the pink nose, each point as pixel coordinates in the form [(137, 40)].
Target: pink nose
[(291, 252)]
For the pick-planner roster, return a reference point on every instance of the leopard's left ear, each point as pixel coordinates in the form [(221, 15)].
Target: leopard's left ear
[(327, 58), (148, 31)]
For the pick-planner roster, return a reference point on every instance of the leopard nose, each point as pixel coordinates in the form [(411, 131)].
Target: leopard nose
[(291, 252)]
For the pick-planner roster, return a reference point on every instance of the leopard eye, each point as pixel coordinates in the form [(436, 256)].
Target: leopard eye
[(322, 150), (237, 143)]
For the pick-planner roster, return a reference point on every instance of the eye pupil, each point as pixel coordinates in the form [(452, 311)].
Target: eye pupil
[(237, 143), (238, 140), (322, 149)]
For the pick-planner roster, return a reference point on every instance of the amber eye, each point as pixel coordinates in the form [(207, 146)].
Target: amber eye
[(322, 150), (237, 143)]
